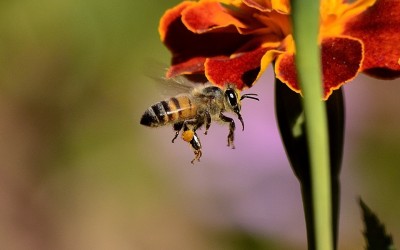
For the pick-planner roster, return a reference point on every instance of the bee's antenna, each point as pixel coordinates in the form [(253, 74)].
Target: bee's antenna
[(249, 96)]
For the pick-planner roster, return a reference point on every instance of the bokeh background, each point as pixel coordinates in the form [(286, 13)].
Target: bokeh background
[(77, 171)]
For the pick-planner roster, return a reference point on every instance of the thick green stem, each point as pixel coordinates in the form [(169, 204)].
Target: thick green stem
[(308, 61), (292, 126)]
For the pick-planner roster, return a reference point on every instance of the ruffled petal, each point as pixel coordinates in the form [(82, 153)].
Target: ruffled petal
[(261, 5), (335, 14), (281, 6), (205, 16), (191, 66), (341, 61), (189, 50), (241, 70), (285, 71), (343, 9), (379, 29), (171, 16)]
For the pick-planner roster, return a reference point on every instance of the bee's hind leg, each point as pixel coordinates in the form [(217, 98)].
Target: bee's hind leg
[(196, 146), (189, 135), (177, 128)]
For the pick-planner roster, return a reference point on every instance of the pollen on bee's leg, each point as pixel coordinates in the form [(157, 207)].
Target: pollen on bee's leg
[(188, 135)]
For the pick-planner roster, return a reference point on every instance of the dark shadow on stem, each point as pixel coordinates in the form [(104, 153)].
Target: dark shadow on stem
[(291, 122)]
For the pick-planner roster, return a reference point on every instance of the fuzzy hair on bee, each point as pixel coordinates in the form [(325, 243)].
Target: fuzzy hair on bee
[(197, 108)]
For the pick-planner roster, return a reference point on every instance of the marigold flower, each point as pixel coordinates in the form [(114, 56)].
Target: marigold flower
[(235, 40)]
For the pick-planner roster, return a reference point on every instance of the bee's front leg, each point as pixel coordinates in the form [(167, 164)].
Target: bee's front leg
[(207, 121), (231, 135)]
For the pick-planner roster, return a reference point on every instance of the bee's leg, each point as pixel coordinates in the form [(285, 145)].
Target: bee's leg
[(231, 128), (196, 146), (193, 124), (177, 127), (207, 121), (189, 135)]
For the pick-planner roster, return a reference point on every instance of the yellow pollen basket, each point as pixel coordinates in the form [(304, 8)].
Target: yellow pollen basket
[(187, 135)]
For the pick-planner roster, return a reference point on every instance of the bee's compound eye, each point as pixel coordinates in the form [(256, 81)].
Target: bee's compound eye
[(231, 96)]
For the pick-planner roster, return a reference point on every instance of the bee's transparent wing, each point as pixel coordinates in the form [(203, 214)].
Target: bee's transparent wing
[(172, 86)]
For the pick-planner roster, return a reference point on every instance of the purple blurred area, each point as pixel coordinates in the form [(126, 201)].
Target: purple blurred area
[(79, 172)]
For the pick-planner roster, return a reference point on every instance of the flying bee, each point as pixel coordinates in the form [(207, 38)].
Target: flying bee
[(190, 111)]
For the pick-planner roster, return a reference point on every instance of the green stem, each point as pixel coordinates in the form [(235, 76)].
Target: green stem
[(308, 61)]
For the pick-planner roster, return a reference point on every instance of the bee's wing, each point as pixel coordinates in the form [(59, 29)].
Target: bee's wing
[(173, 86)]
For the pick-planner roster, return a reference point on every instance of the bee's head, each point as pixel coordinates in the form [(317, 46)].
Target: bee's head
[(233, 100)]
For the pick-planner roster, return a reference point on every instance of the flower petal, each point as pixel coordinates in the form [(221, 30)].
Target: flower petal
[(341, 60), (335, 14), (189, 50), (204, 16), (170, 16), (285, 71), (241, 70), (281, 6), (191, 66), (261, 5), (379, 29)]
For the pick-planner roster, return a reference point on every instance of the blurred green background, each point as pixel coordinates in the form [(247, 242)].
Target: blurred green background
[(77, 171)]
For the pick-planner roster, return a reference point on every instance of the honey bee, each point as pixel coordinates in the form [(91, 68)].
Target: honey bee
[(199, 107)]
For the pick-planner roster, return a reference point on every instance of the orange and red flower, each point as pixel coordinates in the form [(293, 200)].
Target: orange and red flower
[(235, 40)]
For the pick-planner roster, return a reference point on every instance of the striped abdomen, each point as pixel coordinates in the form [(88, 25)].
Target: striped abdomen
[(169, 111)]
